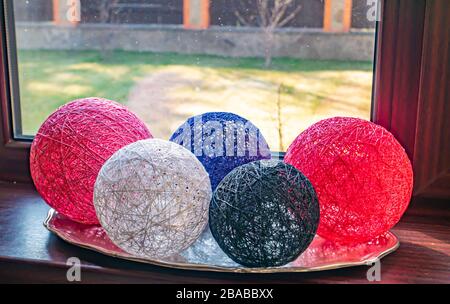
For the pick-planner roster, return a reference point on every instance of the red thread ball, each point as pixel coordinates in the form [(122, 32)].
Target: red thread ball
[(71, 147), (361, 173)]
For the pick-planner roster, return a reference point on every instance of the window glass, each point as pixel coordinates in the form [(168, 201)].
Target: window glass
[(282, 64)]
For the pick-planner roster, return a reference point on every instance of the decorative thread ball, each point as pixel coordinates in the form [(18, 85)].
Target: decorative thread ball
[(222, 141), (361, 173), (152, 198), (70, 148), (264, 214)]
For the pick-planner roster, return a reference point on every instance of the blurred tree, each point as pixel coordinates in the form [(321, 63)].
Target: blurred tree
[(269, 15), (107, 13), (105, 9)]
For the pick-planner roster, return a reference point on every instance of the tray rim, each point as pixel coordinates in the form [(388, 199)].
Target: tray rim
[(220, 269)]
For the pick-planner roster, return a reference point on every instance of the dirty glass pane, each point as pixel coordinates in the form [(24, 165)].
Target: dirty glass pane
[(283, 64)]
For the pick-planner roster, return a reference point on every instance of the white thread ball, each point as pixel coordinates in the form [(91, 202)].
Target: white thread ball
[(152, 198)]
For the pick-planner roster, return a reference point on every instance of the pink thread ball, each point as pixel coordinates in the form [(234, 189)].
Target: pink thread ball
[(70, 148), (361, 173)]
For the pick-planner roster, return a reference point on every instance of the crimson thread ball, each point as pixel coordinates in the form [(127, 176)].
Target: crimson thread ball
[(70, 148), (361, 173)]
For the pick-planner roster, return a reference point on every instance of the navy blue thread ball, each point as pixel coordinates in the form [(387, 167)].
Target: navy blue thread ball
[(264, 214), (222, 141)]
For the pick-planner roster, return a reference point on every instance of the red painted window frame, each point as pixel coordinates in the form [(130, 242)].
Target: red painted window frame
[(406, 50)]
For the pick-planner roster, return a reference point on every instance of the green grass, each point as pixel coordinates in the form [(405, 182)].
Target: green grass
[(49, 79)]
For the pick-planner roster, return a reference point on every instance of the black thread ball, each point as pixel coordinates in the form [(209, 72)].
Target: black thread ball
[(264, 214)]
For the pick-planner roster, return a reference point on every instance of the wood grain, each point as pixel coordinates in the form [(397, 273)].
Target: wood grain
[(397, 71), (432, 138), (411, 94)]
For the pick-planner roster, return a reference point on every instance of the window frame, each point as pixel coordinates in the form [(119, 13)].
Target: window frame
[(396, 96), (14, 153)]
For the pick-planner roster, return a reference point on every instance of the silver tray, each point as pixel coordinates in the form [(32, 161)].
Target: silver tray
[(206, 255)]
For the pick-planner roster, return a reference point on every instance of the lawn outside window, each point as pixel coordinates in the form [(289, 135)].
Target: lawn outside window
[(108, 54)]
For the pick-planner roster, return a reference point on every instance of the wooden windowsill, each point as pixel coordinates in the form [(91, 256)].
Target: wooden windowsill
[(30, 253)]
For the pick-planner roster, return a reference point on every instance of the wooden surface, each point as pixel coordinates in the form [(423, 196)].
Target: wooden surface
[(432, 138), (397, 69), (411, 94), (29, 253)]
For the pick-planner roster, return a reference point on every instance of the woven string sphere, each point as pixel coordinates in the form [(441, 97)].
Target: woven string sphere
[(152, 198), (362, 176), (264, 214), (70, 148), (222, 141)]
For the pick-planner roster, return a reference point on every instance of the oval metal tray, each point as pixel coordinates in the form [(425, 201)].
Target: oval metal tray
[(206, 255)]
